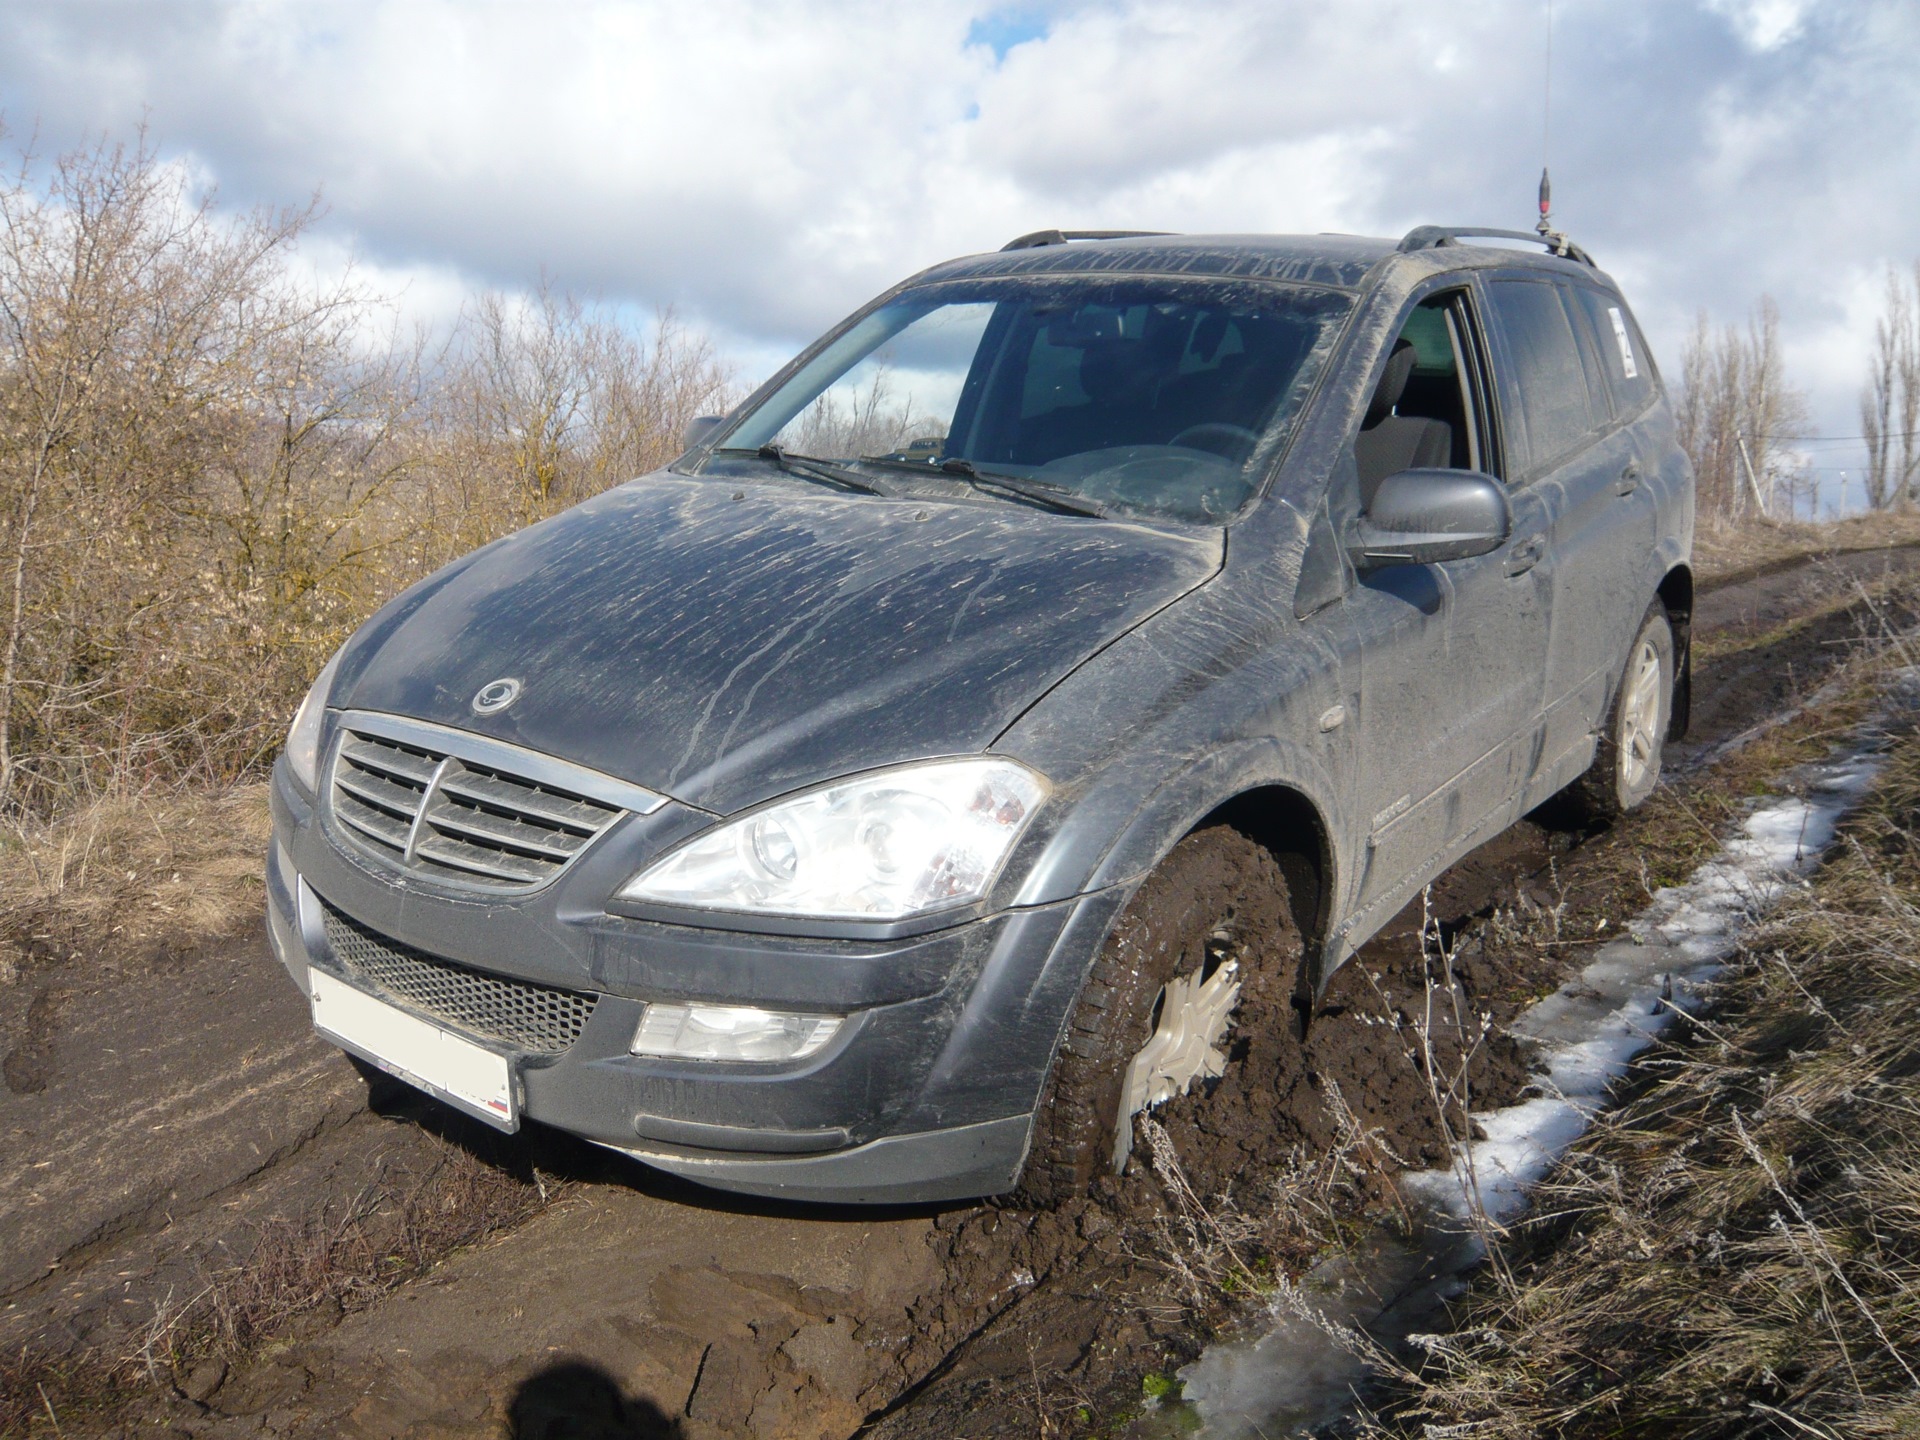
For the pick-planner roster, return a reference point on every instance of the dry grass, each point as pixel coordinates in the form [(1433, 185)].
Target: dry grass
[(1737, 1252), (214, 466), (1723, 554), (125, 880)]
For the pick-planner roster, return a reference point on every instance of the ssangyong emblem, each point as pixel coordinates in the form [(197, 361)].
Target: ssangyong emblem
[(496, 695)]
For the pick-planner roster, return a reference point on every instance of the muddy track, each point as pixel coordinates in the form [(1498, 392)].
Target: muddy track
[(158, 1124)]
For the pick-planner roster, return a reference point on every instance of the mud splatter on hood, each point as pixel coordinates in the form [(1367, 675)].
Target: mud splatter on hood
[(725, 650)]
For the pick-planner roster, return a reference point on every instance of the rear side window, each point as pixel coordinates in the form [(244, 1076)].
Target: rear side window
[(1623, 354), (1543, 381)]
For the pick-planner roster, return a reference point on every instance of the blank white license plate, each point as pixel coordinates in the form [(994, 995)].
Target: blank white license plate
[(421, 1053)]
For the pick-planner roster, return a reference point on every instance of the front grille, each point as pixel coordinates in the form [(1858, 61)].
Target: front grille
[(538, 1019), (474, 824)]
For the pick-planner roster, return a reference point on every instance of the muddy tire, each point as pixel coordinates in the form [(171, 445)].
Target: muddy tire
[(1626, 766), (1213, 913)]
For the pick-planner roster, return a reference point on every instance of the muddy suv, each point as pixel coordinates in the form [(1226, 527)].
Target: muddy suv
[(875, 804)]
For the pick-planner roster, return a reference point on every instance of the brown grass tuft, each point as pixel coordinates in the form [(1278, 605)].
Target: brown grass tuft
[(126, 879), (1737, 1251)]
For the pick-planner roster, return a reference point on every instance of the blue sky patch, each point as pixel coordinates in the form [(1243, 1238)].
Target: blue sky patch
[(1001, 30)]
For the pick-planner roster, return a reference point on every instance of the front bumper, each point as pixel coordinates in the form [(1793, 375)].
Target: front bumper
[(926, 1094)]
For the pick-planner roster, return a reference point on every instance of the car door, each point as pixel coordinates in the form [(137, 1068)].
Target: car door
[(1451, 656), (1569, 441)]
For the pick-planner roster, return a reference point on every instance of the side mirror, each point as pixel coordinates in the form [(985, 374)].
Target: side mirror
[(1419, 517), (698, 429)]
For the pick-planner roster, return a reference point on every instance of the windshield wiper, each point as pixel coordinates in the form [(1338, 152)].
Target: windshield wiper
[(825, 472), (1053, 497)]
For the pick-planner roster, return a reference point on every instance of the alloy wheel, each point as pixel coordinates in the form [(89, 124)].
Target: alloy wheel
[(1192, 1017), (1640, 719)]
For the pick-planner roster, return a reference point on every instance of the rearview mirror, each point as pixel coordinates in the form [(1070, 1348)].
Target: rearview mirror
[(698, 429), (1419, 517)]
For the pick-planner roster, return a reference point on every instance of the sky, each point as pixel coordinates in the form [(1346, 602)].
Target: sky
[(764, 166)]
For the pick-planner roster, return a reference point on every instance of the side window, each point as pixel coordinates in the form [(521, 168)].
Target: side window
[(1427, 409), (1544, 380), (1623, 354)]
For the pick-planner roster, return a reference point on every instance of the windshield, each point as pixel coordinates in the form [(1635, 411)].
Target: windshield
[(1162, 396)]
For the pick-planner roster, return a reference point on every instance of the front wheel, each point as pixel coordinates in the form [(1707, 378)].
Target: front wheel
[(1154, 1017), (1626, 765)]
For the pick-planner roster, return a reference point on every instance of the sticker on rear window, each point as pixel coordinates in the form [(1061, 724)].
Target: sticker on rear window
[(1627, 367)]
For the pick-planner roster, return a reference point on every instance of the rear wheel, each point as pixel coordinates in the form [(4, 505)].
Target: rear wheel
[(1154, 1018), (1626, 766)]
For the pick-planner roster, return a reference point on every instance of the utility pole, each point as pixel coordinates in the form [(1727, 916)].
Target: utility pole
[(1753, 481)]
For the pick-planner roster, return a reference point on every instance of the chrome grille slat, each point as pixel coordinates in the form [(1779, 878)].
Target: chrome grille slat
[(502, 830), (389, 759), (381, 794), (433, 813), (457, 854), (380, 826), (535, 1019), (563, 810)]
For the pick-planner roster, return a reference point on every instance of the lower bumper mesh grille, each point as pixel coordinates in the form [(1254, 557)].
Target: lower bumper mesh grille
[(538, 1019)]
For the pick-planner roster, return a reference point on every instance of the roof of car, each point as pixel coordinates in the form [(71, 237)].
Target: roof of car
[(1340, 261)]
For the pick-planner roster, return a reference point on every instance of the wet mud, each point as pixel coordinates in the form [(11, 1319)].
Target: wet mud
[(162, 1130)]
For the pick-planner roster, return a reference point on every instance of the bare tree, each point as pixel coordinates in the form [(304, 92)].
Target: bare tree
[(559, 399), (1738, 418), (213, 466), (860, 416), (134, 331), (1890, 401)]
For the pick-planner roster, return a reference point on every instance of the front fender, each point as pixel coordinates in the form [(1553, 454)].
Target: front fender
[(1103, 846)]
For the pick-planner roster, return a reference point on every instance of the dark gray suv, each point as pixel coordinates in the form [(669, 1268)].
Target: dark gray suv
[(787, 819)]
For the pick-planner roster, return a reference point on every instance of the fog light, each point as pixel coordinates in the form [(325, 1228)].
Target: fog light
[(730, 1032)]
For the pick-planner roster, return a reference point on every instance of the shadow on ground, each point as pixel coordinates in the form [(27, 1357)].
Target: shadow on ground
[(574, 1401)]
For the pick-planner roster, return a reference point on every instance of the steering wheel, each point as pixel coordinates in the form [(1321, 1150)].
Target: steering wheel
[(1234, 442)]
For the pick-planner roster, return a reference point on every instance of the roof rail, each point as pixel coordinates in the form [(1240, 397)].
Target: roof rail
[(1432, 237), (1060, 237)]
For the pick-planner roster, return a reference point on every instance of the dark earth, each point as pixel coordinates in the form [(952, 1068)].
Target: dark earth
[(215, 1225)]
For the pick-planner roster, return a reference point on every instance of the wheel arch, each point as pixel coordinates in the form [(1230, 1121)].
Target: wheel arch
[(1288, 825), (1676, 593), (1284, 807)]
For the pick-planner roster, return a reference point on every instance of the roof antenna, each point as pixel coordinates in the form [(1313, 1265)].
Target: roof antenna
[(1544, 228)]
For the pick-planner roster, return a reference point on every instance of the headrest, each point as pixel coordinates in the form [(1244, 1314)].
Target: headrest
[(1393, 384), (1113, 370)]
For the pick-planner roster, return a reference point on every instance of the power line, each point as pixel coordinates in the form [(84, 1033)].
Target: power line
[(1836, 439)]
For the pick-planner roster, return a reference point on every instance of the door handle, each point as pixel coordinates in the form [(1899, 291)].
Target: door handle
[(1526, 553), (1629, 480)]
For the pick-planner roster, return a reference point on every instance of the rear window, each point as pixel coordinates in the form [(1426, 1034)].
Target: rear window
[(1623, 354), (1544, 382)]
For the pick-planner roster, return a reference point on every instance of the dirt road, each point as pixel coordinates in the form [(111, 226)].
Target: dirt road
[(184, 1159)]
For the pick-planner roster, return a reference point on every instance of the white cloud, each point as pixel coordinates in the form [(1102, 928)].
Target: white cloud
[(1763, 24), (765, 165)]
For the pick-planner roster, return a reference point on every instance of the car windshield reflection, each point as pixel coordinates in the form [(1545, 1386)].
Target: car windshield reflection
[(1152, 395)]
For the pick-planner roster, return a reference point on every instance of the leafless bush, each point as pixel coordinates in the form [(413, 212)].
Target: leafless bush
[(863, 418), (212, 468)]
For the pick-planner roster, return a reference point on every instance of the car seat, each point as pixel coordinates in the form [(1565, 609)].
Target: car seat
[(1389, 443)]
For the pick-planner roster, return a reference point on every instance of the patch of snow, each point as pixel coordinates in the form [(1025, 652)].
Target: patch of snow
[(1591, 1029), (1295, 1373)]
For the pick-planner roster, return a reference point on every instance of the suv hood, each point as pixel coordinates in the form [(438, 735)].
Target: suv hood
[(724, 643)]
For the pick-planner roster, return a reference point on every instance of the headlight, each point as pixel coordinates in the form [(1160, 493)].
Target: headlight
[(303, 740), (882, 847)]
